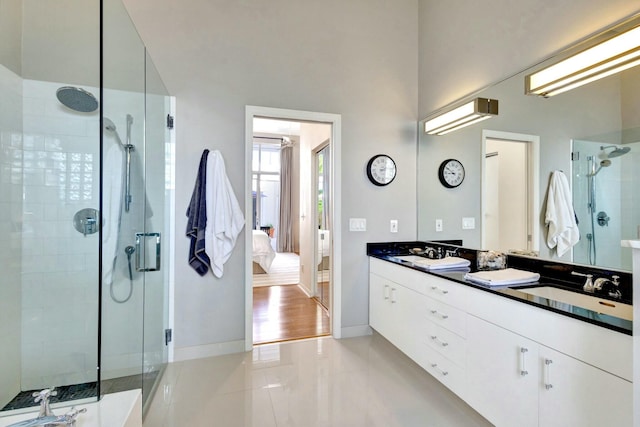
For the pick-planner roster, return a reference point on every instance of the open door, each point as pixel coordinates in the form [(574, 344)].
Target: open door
[(323, 236)]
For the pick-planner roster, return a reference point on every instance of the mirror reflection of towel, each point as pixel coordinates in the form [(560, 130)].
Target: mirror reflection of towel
[(560, 219)]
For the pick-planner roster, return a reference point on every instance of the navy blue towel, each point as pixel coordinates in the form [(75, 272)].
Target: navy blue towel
[(197, 220)]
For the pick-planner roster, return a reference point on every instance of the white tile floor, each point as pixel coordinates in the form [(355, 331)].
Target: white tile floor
[(352, 382)]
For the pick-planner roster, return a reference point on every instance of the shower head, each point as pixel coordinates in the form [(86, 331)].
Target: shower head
[(603, 164), (109, 126), (616, 152), (77, 99)]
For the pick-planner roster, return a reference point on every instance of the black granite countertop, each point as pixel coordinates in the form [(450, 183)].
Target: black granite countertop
[(553, 274)]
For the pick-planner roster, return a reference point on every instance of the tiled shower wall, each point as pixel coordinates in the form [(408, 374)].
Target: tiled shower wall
[(60, 150), (10, 237)]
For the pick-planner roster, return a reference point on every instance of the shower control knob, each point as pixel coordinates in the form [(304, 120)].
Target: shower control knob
[(603, 219)]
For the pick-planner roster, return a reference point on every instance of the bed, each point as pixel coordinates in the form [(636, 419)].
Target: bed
[(263, 253)]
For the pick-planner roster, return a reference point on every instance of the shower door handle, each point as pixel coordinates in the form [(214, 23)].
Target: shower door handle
[(141, 239)]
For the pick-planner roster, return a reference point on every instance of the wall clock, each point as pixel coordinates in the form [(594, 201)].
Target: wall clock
[(451, 173), (381, 170)]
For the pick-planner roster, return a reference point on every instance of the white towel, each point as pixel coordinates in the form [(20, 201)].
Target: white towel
[(224, 217), (560, 217), (443, 264), (508, 276)]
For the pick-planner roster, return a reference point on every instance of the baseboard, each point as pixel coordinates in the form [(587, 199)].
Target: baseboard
[(304, 289), (208, 350), (356, 331)]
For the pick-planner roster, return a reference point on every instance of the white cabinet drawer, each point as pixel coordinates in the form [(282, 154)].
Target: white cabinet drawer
[(446, 316), (450, 345), (449, 292), (444, 370)]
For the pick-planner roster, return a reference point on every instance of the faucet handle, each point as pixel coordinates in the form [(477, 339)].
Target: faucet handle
[(70, 417), (43, 396)]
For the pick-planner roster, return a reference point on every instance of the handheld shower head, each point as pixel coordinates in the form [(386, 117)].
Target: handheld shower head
[(109, 126), (603, 164), (616, 152)]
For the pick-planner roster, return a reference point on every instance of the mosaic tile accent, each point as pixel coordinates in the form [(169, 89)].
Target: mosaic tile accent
[(24, 399)]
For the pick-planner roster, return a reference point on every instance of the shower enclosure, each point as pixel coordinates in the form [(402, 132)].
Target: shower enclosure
[(85, 189), (603, 201)]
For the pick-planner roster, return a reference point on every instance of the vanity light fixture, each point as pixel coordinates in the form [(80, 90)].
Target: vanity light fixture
[(472, 112), (604, 59)]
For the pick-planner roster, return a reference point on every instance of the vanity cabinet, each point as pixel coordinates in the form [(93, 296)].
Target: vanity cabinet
[(512, 380), (392, 307), (515, 364), (572, 392), (502, 374)]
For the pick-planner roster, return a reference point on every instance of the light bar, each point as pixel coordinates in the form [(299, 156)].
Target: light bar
[(472, 112), (609, 57)]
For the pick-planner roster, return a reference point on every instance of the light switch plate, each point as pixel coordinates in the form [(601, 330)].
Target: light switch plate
[(393, 225), (438, 225), (357, 224), (468, 223)]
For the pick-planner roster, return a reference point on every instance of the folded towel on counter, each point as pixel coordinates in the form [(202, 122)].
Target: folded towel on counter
[(449, 262), (508, 276)]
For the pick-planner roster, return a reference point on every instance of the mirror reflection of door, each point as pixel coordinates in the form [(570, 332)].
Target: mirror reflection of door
[(323, 236), (509, 208)]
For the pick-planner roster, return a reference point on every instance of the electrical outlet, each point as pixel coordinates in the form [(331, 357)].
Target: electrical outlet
[(438, 225), (394, 225)]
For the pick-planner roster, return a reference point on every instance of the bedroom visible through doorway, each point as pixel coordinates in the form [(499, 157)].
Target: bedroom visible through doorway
[(290, 229)]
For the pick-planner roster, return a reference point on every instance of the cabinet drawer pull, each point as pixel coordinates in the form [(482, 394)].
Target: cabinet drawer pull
[(443, 373), (523, 368), (393, 296), (385, 292), (443, 291), (547, 374), (434, 338), (440, 315)]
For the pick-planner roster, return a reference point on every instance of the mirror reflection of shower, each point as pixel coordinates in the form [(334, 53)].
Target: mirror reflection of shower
[(601, 218)]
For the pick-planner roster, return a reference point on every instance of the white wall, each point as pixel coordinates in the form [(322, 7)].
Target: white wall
[(357, 59), (494, 39)]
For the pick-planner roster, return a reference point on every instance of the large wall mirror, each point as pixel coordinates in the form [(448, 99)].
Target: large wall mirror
[(590, 133)]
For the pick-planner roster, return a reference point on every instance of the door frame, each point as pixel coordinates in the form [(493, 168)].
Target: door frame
[(335, 120), (533, 158)]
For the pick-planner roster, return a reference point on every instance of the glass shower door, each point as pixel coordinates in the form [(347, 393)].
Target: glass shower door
[(134, 256)]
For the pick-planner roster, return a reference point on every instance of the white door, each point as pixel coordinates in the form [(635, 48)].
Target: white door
[(573, 393)]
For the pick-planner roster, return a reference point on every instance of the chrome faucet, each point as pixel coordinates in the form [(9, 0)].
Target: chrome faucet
[(588, 284), (615, 291), (46, 417)]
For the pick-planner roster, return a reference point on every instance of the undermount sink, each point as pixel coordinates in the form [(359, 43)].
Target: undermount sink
[(593, 303)]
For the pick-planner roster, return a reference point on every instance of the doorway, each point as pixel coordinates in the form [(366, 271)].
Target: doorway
[(292, 208), (510, 164)]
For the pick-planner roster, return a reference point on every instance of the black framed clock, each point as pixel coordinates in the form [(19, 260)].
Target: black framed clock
[(381, 170), (451, 173)]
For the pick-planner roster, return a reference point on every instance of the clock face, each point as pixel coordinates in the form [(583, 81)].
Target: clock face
[(451, 173), (381, 169)]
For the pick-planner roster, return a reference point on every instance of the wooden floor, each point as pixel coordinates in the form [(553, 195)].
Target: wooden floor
[(282, 313)]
